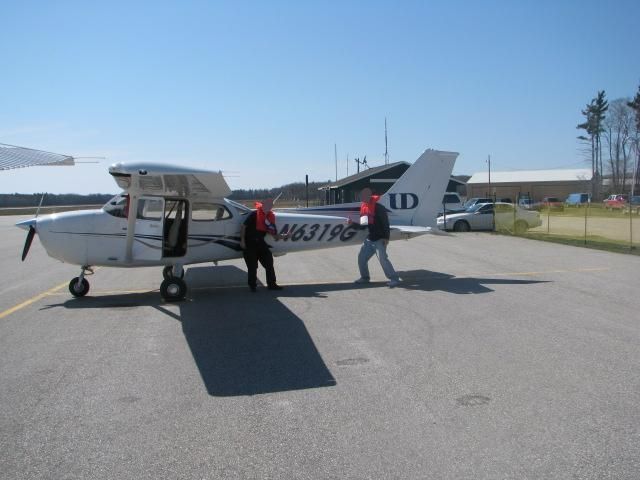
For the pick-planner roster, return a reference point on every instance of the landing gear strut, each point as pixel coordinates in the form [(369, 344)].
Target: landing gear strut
[(79, 286), (171, 271)]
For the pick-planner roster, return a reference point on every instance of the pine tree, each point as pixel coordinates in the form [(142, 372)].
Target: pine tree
[(595, 114)]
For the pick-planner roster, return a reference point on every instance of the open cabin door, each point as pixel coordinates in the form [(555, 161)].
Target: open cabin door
[(149, 229), (175, 228)]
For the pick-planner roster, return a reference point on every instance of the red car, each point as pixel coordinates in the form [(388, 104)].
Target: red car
[(552, 203), (615, 202)]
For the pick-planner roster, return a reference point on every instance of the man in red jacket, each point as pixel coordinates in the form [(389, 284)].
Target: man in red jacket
[(375, 218), (257, 225)]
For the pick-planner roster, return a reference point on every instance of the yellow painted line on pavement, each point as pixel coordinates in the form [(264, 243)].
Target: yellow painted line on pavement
[(26, 303)]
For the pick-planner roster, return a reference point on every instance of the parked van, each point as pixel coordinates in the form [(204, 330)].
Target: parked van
[(577, 200)]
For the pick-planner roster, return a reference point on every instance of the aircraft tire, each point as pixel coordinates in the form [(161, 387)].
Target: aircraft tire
[(173, 289), (78, 290), (167, 272)]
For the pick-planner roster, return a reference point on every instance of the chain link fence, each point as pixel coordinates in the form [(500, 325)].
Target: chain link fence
[(591, 225)]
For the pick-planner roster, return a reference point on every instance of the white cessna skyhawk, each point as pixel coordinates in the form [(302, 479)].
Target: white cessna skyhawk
[(173, 216)]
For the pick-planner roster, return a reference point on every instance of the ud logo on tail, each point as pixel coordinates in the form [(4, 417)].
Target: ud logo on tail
[(407, 201)]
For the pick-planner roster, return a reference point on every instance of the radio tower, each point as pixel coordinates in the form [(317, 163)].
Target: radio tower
[(386, 150)]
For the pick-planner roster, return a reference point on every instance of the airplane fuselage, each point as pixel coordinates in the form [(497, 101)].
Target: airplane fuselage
[(97, 237)]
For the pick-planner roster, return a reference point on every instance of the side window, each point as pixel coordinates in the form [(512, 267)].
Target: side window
[(149, 209), (450, 199), (486, 209), (209, 212)]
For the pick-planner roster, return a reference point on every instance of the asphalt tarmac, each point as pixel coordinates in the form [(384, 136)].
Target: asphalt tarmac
[(497, 358)]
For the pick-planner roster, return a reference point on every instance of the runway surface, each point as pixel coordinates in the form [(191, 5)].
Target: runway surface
[(498, 357)]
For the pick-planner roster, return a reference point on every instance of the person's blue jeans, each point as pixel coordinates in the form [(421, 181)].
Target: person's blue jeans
[(369, 249)]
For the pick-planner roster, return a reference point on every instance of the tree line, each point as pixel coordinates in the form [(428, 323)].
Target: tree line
[(615, 128), (292, 192), (8, 200)]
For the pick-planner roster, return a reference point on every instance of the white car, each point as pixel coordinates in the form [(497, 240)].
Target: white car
[(481, 217)]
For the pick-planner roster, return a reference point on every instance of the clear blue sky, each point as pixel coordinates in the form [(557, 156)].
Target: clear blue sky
[(263, 90)]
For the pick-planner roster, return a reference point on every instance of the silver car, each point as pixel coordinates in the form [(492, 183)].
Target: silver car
[(484, 216)]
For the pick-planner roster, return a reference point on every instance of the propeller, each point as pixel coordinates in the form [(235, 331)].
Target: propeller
[(28, 241), (32, 231)]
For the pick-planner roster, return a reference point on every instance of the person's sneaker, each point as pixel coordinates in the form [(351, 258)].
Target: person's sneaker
[(275, 287), (362, 280), (393, 283)]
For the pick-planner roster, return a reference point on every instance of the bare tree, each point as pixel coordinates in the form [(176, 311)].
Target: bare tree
[(635, 106), (617, 132)]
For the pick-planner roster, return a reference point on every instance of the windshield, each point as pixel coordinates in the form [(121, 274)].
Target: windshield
[(476, 207), (117, 206)]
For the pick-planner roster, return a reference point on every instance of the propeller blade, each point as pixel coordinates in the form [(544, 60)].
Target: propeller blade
[(27, 243)]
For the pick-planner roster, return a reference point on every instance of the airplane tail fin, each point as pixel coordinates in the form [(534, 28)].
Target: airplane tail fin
[(416, 197)]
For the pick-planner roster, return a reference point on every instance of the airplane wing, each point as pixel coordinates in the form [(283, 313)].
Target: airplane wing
[(167, 180), (12, 156)]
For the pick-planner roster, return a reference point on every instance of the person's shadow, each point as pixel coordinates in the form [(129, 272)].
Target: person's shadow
[(247, 344)]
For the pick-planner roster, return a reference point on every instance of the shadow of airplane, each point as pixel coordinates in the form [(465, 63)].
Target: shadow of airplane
[(247, 344), (242, 344)]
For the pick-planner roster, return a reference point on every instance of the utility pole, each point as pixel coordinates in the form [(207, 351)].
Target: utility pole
[(347, 164), (386, 150), (493, 213), (335, 155), (489, 162)]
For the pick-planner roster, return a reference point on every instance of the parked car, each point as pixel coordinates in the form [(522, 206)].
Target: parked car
[(475, 200), (577, 200), (481, 217), (615, 202), (451, 203), (634, 205), (552, 203)]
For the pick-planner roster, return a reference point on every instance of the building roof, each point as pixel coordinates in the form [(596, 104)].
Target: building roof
[(521, 176), (362, 175)]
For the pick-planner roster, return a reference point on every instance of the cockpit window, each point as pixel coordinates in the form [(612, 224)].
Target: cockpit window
[(207, 212), (118, 206)]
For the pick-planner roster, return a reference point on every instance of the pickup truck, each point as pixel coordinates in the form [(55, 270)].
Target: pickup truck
[(615, 202)]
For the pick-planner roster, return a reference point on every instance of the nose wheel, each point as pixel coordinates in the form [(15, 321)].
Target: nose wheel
[(79, 286)]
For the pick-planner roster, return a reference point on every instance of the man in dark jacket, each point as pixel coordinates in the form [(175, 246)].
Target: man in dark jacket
[(375, 218), (259, 224)]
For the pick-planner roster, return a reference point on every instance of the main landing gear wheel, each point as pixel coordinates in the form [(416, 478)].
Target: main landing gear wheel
[(79, 288), (173, 289), (167, 273)]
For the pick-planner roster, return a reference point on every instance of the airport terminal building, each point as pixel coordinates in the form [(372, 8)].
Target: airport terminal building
[(535, 184), (379, 180)]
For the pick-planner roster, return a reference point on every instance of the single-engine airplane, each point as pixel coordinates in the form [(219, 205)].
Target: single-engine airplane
[(174, 216)]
